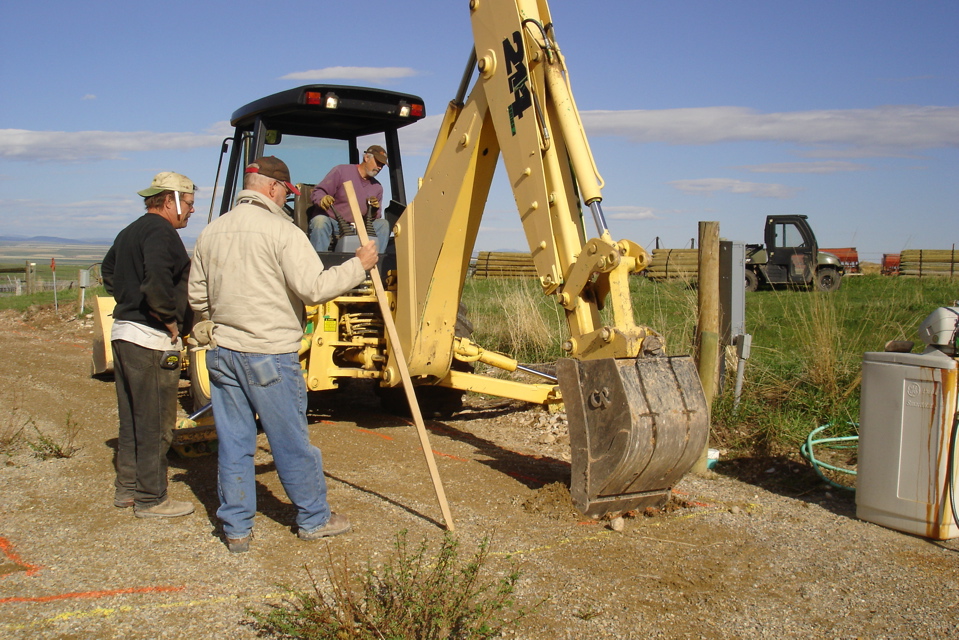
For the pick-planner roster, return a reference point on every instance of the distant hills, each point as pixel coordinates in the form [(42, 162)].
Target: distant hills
[(54, 240)]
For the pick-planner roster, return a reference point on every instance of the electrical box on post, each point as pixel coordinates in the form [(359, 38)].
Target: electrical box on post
[(732, 290)]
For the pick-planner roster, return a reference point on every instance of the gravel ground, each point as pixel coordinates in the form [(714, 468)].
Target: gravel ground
[(760, 548)]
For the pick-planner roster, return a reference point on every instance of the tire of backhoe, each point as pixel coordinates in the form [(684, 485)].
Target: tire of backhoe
[(435, 402), (828, 279), (199, 380), (752, 280)]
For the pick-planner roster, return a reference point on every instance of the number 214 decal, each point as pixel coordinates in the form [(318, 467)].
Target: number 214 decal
[(518, 78)]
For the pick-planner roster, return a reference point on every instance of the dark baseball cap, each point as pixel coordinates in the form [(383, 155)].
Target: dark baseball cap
[(272, 167), (378, 152)]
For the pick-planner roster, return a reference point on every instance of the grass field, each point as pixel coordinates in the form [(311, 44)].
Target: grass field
[(69, 260), (806, 361), (16, 254)]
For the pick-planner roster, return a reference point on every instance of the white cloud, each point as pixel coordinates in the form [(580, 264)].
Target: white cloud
[(419, 137), (629, 213), (827, 166), (826, 134), (89, 96), (221, 129), (75, 146), (82, 218), (366, 74), (879, 131), (99, 216), (711, 186)]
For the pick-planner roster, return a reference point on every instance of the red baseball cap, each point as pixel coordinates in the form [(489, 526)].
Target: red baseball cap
[(272, 167)]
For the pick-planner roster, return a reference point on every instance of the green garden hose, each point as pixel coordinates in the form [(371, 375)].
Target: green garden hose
[(807, 452)]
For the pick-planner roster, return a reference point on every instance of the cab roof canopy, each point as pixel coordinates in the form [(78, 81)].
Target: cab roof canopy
[(332, 111)]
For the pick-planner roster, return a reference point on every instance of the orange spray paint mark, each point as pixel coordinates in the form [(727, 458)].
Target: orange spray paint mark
[(373, 433), (93, 594), (7, 549)]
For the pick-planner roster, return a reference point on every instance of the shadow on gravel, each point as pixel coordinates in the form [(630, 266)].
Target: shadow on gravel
[(357, 402), (386, 499), (199, 474), (790, 478), (532, 471)]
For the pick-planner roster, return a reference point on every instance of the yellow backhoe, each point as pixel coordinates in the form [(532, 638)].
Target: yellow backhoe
[(638, 419)]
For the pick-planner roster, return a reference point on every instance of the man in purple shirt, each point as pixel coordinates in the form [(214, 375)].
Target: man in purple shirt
[(329, 194)]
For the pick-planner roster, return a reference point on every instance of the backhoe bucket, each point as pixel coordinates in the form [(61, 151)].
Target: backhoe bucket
[(635, 427)]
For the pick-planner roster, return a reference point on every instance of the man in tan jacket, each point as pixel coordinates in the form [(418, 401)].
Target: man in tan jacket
[(253, 271)]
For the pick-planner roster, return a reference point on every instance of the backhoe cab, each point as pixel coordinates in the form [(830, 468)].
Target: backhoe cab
[(637, 418)]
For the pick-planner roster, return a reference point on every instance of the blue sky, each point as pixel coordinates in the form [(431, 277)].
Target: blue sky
[(846, 111)]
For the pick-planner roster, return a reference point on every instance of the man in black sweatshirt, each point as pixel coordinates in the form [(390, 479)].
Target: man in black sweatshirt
[(147, 272)]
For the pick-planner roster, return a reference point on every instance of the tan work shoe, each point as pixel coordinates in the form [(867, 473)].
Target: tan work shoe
[(167, 509), (336, 525), (239, 545)]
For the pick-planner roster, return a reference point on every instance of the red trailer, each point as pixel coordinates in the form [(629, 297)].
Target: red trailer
[(849, 258), (890, 264)]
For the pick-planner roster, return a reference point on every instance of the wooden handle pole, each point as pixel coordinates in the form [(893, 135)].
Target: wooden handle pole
[(401, 362)]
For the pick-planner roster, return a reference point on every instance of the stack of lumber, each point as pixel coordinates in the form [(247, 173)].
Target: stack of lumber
[(929, 262), (666, 264), (501, 264)]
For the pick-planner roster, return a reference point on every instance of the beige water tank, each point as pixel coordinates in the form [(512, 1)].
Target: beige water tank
[(907, 410)]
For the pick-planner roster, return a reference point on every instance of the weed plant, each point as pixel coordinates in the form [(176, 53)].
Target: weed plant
[(12, 424), (47, 447), (414, 596)]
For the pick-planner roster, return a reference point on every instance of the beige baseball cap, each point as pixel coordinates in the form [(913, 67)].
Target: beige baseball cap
[(168, 181)]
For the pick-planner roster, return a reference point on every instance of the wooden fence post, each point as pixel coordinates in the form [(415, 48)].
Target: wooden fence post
[(707, 330), (31, 277)]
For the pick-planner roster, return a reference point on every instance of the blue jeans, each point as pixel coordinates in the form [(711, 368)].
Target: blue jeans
[(322, 227), (242, 386)]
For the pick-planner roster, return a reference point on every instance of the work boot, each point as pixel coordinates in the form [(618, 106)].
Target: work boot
[(167, 509), (239, 545), (336, 525)]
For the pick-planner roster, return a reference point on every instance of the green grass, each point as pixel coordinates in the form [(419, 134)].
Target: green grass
[(807, 348), (806, 363), (66, 270), (515, 318), (65, 297)]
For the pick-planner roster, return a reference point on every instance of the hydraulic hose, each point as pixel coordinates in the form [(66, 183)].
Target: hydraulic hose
[(951, 471), (807, 452)]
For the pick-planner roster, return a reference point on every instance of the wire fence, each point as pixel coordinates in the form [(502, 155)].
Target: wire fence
[(27, 281), (12, 286)]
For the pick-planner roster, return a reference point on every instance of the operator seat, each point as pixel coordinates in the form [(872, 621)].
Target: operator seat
[(301, 207)]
